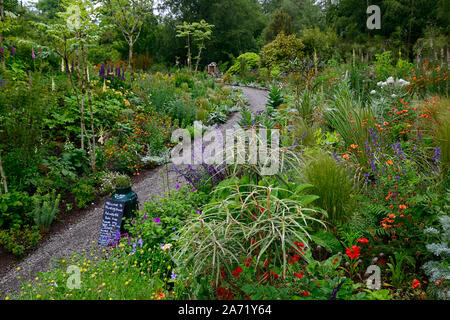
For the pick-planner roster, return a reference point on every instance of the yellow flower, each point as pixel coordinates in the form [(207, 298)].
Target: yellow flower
[(18, 268), (38, 296), (6, 298)]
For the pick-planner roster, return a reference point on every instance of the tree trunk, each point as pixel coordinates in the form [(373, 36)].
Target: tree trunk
[(130, 56), (189, 54), (198, 59), (86, 91), (2, 177), (78, 100)]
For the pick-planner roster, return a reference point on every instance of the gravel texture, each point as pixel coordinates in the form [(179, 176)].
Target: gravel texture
[(83, 235)]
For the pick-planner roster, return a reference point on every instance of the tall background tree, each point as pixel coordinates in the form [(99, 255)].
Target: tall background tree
[(238, 24), (129, 15), (281, 21)]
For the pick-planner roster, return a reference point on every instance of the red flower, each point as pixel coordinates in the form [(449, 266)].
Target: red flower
[(247, 261), (305, 293), (363, 240), (237, 271), (299, 246), (262, 209), (416, 283), (225, 294), (353, 253), (298, 275)]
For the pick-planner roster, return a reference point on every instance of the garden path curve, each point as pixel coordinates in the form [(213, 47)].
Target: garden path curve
[(83, 235)]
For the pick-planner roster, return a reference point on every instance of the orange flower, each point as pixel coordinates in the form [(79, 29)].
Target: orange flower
[(354, 146), (416, 283), (402, 207), (389, 162), (345, 156)]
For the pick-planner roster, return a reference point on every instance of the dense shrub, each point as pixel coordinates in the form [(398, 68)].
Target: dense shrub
[(245, 61), (281, 51)]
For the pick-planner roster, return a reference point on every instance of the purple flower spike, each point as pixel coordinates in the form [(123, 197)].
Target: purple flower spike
[(101, 72), (157, 221), (33, 56), (13, 51)]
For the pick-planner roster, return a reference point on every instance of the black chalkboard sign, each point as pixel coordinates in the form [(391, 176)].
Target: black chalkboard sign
[(111, 222)]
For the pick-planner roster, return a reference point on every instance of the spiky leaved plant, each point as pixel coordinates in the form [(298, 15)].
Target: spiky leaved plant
[(46, 208)]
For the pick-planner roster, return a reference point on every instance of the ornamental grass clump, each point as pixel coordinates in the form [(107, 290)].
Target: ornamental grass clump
[(332, 184), (246, 219)]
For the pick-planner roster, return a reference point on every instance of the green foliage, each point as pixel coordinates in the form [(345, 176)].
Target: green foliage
[(113, 276), (248, 60), (15, 208), (18, 240), (281, 21), (396, 268), (258, 292), (45, 210), (275, 98), (281, 51), (184, 78), (350, 119), (383, 65), (122, 181), (332, 184), (245, 219), (322, 43), (84, 192), (157, 221), (327, 240)]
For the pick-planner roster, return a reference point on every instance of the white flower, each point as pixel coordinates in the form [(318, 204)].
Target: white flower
[(166, 246), (393, 95), (390, 80), (373, 92), (403, 82), (380, 83)]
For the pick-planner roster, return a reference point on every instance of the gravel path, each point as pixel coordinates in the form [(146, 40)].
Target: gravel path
[(83, 235)]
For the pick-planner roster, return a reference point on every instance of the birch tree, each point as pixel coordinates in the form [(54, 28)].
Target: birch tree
[(70, 38), (129, 15)]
